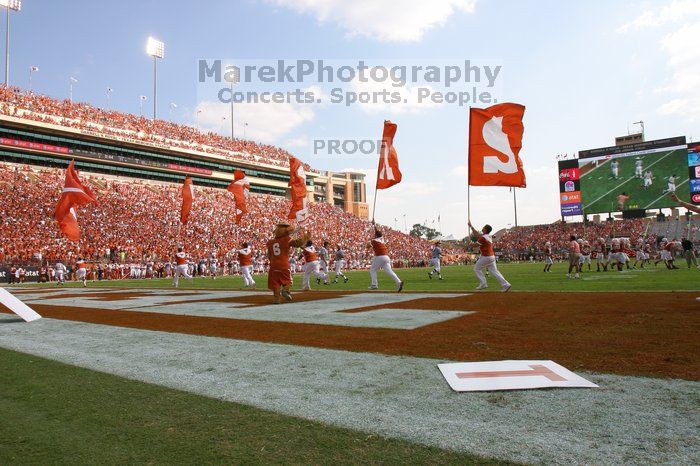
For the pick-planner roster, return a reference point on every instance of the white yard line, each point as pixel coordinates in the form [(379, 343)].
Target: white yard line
[(625, 182), (628, 420)]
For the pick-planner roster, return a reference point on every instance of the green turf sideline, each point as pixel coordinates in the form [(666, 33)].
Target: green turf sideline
[(523, 277), (55, 413)]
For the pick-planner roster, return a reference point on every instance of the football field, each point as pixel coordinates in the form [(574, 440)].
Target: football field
[(212, 373), (599, 189)]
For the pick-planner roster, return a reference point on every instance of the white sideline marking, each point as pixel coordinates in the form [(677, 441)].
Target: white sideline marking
[(18, 307)]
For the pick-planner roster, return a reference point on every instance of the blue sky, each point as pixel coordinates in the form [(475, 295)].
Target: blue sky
[(584, 70)]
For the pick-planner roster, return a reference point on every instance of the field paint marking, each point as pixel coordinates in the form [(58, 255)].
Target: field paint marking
[(11, 302), (392, 396), (626, 181), (318, 312), (666, 194)]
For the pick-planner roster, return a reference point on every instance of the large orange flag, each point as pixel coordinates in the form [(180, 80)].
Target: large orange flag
[(187, 198), (297, 183), (388, 173), (74, 194), (239, 187), (495, 140)]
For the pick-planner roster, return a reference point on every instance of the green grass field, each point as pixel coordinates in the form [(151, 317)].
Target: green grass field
[(523, 277), (53, 413), (599, 190)]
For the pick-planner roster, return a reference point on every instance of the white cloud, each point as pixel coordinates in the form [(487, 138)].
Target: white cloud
[(679, 22), (409, 100), (460, 170), (683, 51), (672, 13), (299, 141), (383, 20), (266, 122)]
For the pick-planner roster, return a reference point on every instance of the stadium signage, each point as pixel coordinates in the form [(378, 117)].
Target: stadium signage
[(659, 145), (101, 156), (34, 146), (31, 274), (569, 174), (571, 209), (571, 198), (183, 168), (102, 135)]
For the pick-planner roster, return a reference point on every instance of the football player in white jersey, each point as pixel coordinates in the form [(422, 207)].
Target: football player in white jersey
[(61, 273), (436, 254), (638, 163), (339, 264)]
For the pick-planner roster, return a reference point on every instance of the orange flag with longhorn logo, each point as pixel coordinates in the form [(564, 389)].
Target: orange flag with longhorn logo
[(495, 140), (187, 198), (240, 187), (297, 183), (74, 194), (388, 173)]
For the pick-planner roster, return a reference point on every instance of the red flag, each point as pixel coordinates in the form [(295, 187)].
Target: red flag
[(297, 183), (495, 140), (239, 187), (74, 194), (388, 173), (187, 197)]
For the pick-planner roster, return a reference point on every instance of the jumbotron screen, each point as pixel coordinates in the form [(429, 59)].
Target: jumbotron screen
[(629, 177)]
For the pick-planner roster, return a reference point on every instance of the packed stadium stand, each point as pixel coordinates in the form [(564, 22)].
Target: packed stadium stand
[(136, 220), (83, 116), (521, 243), (39, 130)]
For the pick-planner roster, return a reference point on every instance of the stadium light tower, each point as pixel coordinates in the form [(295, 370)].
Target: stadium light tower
[(156, 49), (71, 82), (15, 5)]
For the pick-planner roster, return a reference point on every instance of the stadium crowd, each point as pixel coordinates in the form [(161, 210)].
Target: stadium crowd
[(136, 222), (528, 243), (83, 116), (522, 242)]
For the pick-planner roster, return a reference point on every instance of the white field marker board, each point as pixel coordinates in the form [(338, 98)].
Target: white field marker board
[(510, 375)]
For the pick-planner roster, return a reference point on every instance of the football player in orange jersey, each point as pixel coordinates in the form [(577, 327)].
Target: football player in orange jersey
[(279, 278), (488, 258), (245, 260), (381, 260), (81, 271), (312, 266)]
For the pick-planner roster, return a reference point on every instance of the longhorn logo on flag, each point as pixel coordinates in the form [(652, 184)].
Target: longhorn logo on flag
[(187, 198), (388, 173), (240, 188), (74, 194), (495, 140), (297, 183)]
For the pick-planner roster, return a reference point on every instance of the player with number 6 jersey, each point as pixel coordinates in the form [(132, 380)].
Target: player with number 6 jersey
[(279, 278)]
